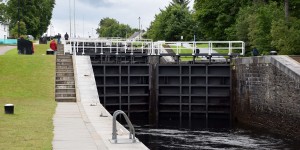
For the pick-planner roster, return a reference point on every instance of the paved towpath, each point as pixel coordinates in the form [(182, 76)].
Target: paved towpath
[(71, 132), (86, 124), (4, 49)]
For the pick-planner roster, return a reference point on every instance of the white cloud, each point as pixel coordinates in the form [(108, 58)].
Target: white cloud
[(88, 13)]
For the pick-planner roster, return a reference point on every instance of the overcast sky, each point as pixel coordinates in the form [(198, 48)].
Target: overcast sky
[(88, 14)]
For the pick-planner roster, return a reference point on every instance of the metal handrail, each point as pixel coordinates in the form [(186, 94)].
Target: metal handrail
[(114, 128), (157, 48)]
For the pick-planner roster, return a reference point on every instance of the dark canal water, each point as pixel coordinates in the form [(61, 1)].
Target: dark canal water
[(212, 139)]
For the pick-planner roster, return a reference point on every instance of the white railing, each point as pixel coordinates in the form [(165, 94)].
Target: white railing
[(120, 46), (202, 47), (211, 48)]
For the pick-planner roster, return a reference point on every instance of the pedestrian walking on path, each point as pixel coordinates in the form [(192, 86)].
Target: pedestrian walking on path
[(66, 36), (58, 38)]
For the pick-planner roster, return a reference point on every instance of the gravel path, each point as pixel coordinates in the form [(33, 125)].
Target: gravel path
[(4, 49)]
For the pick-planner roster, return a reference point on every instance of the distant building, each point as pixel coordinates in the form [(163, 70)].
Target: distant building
[(4, 29), (3, 1), (137, 36)]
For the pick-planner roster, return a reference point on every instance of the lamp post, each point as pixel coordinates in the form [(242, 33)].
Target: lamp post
[(195, 31), (194, 35), (139, 28), (74, 22), (18, 18), (70, 18), (126, 34), (83, 28)]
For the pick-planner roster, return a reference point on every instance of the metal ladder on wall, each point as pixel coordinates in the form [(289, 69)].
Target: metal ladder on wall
[(114, 139)]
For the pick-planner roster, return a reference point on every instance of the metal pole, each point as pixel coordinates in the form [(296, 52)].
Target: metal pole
[(74, 22), (50, 29), (83, 27), (139, 28), (18, 18), (70, 18)]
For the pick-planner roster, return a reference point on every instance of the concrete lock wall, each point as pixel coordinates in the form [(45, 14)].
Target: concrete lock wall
[(266, 93)]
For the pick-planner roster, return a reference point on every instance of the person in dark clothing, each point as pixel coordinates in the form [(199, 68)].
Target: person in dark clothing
[(66, 36), (25, 47), (255, 52), (58, 38), (20, 45)]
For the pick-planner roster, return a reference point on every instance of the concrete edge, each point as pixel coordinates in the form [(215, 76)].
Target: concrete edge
[(250, 60), (96, 137), (287, 65), (77, 91), (92, 109), (283, 62)]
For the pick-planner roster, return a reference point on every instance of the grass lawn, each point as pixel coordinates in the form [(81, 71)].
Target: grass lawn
[(222, 51), (38, 50), (27, 81), (202, 45)]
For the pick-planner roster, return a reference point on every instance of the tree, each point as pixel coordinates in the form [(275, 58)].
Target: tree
[(109, 27), (257, 22), (286, 9), (172, 23), (45, 15), (3, 13), (14, 30), (294, 8), (216, 16), (36, 14), (180, 2), (286, 36), (254, 23)]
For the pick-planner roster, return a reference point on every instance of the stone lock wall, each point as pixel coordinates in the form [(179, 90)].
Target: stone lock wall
[(266, 93)]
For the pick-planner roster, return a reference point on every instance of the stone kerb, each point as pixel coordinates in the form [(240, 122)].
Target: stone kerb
[(288, 65)]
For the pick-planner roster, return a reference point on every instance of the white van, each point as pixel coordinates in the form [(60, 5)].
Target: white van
[(30, 37)]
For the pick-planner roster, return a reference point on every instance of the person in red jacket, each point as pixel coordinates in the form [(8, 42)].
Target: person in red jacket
[(53, 46)]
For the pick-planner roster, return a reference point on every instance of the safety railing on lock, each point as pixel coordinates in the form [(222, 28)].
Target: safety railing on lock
[(114, 47), (211, 48), (205, 48)]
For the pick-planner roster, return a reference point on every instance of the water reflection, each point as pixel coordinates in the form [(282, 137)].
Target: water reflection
[(169, 139)]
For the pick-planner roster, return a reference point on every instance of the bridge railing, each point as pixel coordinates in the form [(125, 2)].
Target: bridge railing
[(205, 48), (110, 46), (222, 48)]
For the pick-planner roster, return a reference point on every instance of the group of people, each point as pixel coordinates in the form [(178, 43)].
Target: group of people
[(25, 46), (53, 44)]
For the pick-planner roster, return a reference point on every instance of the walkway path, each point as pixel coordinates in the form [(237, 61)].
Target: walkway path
[(71, 132), (4, 49), (86, 125)]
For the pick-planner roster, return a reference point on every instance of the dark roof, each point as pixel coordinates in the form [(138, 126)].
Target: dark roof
[(134, 35)]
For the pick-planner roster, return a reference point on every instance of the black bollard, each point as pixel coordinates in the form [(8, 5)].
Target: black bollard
[(9, 108), (273, 52)]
